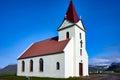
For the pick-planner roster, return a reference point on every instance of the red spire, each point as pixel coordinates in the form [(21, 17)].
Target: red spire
[(71, 14)]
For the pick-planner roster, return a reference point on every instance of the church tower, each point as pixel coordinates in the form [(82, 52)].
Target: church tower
[(73, 28)]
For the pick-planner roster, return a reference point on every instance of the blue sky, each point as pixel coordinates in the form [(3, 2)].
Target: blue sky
[(23, 22)]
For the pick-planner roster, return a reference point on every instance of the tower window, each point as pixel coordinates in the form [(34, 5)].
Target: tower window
[(23, 66), (80, 52), (41, 65), (58, 66), (81, 43), (80, 36), (31, 65), (67, 35)]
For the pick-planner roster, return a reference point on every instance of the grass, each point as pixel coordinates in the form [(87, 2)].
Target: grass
[(14, 77)]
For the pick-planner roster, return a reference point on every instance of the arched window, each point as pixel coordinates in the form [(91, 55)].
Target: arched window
[(80, 52), (31, 65), (23, 66), (41, 65), (80, 36), (67, 35), (58, 66)]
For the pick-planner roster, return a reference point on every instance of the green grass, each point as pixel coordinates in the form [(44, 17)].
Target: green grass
[(14, 77)]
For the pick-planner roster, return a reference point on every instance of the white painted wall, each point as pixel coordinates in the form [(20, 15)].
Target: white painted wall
[(65, 24), (69, 59), (62, 33), (84, 58), (74, 32), (49, 66)]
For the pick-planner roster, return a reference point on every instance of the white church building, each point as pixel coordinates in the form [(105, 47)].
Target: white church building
[(59, 57)]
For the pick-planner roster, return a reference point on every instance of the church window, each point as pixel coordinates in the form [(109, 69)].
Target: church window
[(58, 66), (41, 65), (31, 65), (23, 66), (67, 35), (80, 36), (81, 43), (81, 52)]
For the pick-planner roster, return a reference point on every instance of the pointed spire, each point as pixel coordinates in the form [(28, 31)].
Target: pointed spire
[(71, 14)]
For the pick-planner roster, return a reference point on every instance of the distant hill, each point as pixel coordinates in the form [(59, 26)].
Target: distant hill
[(97, 69), (114, 67), (10, 69)]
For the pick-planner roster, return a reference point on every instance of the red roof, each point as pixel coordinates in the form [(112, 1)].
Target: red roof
[(45, 47), (71, 14)]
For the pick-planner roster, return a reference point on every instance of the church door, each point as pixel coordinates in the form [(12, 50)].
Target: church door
[(81, 69)]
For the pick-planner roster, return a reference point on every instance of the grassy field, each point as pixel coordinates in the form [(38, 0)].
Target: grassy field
[(14, 77)]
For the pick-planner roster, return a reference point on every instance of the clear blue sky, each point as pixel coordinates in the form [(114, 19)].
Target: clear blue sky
[(23, 22)]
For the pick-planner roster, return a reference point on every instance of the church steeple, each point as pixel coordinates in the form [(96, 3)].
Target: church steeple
[(71, 14), (70, 23)]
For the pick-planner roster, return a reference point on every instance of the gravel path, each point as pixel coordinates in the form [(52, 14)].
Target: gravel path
[(107, 77)]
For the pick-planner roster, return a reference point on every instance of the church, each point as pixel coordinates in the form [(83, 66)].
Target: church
[(62, 56)]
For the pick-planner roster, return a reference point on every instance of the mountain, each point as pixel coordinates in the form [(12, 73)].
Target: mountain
[(10, 69), (97, 69), (114, 67)]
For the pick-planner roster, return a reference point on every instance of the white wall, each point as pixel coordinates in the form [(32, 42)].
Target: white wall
[(65, 24), (74, 32), (49, 66), (69, 59), (84, 58), (62, 33)]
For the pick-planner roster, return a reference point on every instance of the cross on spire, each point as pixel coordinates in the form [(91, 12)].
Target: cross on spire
[(71, 14)]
